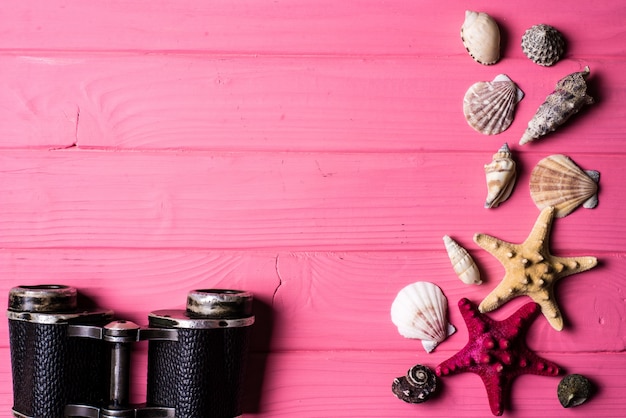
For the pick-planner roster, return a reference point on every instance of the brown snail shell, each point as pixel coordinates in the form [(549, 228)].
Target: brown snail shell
[(543, 45), (481, 37), (417, 386), (573, 390)]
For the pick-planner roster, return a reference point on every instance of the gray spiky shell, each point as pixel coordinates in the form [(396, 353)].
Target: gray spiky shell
[(543, 44)]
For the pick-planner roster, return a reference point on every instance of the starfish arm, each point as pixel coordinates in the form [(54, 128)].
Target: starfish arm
[(501, 294), (537, 365), (566, 266), (541, 230), (501, 250), (496, 388), (551, 311)]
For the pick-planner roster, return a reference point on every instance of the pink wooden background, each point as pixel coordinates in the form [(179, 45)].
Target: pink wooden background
[(314, 153)]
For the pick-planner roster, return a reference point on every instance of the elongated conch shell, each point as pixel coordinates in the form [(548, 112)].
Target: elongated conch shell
[(569, 97), (557, 181), (420, 311), (489, 105), (543, 45), (481, 37), (501, 174), (462, 262)]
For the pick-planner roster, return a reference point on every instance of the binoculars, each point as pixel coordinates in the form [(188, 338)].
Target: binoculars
[(69, 361)]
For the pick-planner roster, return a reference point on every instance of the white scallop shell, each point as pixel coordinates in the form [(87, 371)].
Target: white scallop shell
[(462, 262), (420, 311), (489, 105), (501, 174), (557, 181), (481, 37)]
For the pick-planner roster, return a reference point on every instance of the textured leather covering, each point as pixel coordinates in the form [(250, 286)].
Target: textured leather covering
[(201, 374), (51, 370)]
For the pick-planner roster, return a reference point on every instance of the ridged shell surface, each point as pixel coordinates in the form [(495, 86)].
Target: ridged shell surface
[(543, 45), (557, 181), (417, 386), (462, 262), (501, 174), (569, 97), (481, 37), (489, 106), (420, 311)]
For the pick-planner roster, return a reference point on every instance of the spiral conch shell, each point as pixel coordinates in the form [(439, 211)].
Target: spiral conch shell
[(489, 105), (481, 37), (557, 181), (420, 311), (462, 262), (569, 97), (501, 175)]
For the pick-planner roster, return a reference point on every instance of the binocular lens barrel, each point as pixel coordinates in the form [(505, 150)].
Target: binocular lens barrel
[(65, 358)]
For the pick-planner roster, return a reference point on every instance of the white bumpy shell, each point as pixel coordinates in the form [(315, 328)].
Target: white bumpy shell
[(420, 311)]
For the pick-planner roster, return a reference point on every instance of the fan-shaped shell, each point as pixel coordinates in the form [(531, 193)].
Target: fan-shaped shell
[(420, 311), (557, 181), (501, 174), (543, 44), (462, 262), (481, 37), (489, 105)]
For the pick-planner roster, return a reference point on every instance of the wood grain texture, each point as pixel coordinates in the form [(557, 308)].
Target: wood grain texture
[(297, 27), (297, 383), (299, 201), (199, 102), (314, 153)]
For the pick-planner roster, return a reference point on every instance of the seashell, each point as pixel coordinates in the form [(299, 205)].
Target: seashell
[(481, 37), (569, 97), (573, 390), (489, 105), (557, 181), (417, 386), (462, 262), (501, 175), (420, 311), (543, 45)]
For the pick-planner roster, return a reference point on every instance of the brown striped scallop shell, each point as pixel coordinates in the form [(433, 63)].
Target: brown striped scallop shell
[(489, 106), (557, 181)]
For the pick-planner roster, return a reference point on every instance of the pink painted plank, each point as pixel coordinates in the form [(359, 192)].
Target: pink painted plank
[(298, 384), (321, 301), (283, 103), (298, 27), (405, 201)]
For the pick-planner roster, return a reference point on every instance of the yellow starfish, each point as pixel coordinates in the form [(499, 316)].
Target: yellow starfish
[(531, 270)]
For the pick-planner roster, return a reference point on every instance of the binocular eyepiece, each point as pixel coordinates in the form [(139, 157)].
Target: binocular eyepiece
[(69, 361)]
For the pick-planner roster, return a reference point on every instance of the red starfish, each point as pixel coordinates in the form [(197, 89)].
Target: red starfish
[(497, 352)]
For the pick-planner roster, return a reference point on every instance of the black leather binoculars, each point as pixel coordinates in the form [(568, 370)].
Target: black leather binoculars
[(68, 361)]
